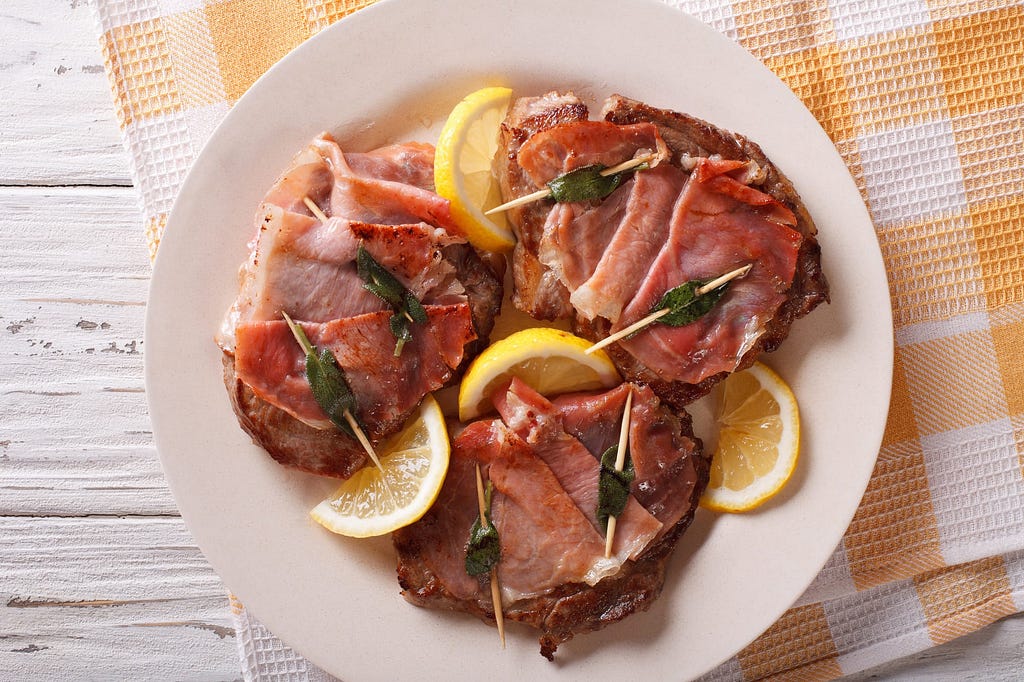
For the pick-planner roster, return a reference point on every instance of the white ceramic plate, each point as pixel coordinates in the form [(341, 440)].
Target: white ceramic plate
[(391, 73)]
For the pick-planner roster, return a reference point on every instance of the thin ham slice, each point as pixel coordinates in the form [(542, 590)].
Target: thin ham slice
[(577, 234), (546, 542), (711, 233), (601, 250), (569, 146), (390, 186), (387, 388), (534, 419), (637, 239), (664, 456)]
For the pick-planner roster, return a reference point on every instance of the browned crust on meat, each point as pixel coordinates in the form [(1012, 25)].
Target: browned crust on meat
[(686, 134), (289, 441), (568, 610), (330, 452), (537, 290)]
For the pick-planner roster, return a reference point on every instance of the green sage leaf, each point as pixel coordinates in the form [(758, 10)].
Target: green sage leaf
[(484, 548), (405, 307), (685, 305), (326, 380), (613, 486)]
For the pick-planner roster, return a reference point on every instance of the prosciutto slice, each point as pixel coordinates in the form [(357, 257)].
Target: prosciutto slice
[(391, 186), (636, 241), (534, 419), (664, 455), (551, 552), (387, 388), (713, 232), (546, 541)]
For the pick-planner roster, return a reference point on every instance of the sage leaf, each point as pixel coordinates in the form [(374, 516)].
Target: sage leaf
[(586, 183), (484, 548), (613, 486), (685, 305), (326, 380), (405, 307)]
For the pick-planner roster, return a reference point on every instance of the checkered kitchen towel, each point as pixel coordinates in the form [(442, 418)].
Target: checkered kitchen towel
[(924, 99)]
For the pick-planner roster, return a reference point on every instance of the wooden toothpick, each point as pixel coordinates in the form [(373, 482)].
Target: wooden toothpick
[(499, 616), (546, 192), (658, 314), (311, 205), (620, 462)]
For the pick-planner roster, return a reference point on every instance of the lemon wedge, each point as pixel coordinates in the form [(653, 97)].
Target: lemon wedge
[(462, 167), (413, 465), (550, 361), (758, 440)]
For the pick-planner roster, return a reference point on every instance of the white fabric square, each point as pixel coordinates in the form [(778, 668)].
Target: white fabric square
[(1014, 562), (162, 154), (201, 123), (174, 6), (924, 332), (860, 18), (912, 173), (111, 13), (716, 14), (833, 581), (878, 625), (977, 490)]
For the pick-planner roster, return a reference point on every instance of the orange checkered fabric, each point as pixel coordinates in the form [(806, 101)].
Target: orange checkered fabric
[(924, 99)]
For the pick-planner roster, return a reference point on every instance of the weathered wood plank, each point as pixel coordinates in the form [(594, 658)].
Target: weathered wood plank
[(76, 436), (110, 599), (57, 124), (992, 654)]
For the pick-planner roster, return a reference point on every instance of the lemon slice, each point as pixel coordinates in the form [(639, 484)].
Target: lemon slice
[(550, 361), (413, 465), (462, 167), (758, 440)]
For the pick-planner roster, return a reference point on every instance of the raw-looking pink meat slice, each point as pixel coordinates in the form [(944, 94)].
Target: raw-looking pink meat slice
[(442, 535), (663, 456), (712, 233), (307, 268), (546, 541), (569, 146), (388, 197), (632, 249), (534, 419), (387, 388), (577, 234)]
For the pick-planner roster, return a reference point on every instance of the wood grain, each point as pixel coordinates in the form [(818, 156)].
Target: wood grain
[(56, 121)]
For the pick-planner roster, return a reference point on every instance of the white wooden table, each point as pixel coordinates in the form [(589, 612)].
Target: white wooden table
[(99, 579)]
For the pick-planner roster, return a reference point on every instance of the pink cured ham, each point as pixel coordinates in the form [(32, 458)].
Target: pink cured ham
[(637, 239), (550, 551), (387, 388), (569, 146), (664, 456), (307, 268), (381, 189), (534, 419), (588, 244), (303, 262), (713, 232), (545, 540), (299, 265), (589, 261)]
